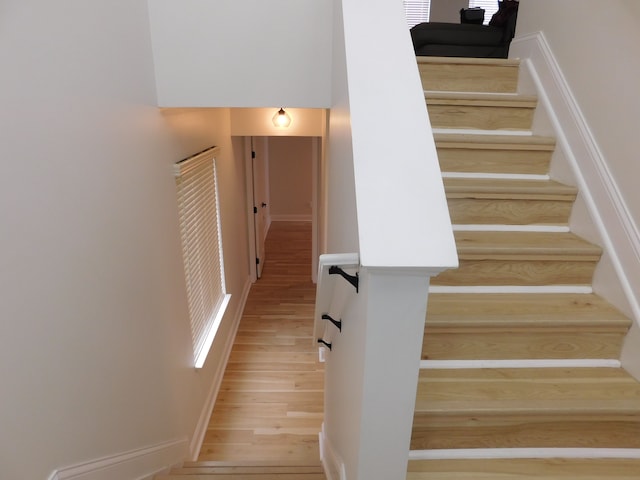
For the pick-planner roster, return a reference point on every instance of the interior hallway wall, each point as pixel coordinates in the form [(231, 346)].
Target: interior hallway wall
[(595, 43), (447, 11), (95, 348), (290, 178)]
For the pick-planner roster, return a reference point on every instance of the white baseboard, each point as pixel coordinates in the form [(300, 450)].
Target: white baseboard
[(602, 196), (138, 464), (331, 462), (291, 218), (205, 414)]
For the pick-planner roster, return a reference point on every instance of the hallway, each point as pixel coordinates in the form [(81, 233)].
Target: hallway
[(271, 400)]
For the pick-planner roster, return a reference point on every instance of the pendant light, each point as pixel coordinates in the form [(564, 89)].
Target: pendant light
[(281, 119)]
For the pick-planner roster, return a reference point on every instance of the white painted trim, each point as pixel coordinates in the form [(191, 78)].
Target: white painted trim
[(315, 162), (203, 420), (331, 461), (251, 225), (586, 289), (211, 334), (496, 176), (138, 463), (610, 214), (474, 131), (470, 227), (496, 453), (291, 218), (477, 364)]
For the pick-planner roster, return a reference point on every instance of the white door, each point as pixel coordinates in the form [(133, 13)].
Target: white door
[(260, 194)]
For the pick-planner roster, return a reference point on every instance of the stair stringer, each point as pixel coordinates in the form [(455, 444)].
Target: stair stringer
[(600, 213)]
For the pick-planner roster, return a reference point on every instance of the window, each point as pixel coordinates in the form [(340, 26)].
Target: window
[(201, 248), (490, 7), (416, 11)]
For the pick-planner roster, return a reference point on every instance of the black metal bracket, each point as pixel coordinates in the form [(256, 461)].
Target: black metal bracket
[(337, 323), (328, 345), (352, 279)]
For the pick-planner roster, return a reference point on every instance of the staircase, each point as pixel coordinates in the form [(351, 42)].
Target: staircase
[(519, 356)]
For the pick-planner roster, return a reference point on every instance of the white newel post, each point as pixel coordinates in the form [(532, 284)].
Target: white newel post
[(371, 376)]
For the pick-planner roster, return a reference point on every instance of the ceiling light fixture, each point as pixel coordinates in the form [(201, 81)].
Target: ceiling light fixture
[(281, 119)]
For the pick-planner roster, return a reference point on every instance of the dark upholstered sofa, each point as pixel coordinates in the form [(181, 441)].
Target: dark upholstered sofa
[(468, 40)]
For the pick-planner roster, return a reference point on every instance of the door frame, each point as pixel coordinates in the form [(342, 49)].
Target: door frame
[(316, 143), (251, 226)]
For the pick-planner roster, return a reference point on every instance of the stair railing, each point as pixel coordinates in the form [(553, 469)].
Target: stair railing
[(384, 199)]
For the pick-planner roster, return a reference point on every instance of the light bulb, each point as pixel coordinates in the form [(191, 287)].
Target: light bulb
[(281, 119)]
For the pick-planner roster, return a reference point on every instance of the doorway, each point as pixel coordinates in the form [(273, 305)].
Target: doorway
[(282, 178)]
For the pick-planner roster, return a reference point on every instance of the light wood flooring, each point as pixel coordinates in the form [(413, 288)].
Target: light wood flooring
[(270, 404)]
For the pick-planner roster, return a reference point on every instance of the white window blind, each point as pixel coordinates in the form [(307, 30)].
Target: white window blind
[(201, 248), (490, 7), (416, 11)]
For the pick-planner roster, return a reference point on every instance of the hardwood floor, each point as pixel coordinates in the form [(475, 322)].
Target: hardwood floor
[(270, 405)]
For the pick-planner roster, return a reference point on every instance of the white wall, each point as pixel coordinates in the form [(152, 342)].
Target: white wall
[(595, 44), (446, 10), (305, 122), (599, 69), (95, 350), (253, 53), (340, 233), (290, 178)]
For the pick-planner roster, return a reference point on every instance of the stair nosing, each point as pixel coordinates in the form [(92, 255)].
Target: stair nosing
[(504, 246), (481, 99), (484, 140), (524, 453), (505, 62)]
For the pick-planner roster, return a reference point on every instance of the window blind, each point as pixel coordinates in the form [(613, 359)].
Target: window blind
[(490, 7), (199, 213), (416, 11)]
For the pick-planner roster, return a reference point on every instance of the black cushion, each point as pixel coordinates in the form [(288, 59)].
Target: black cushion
[(456, 34), (506, 9)]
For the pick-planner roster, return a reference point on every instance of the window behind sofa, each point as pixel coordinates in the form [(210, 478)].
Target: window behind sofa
[(417, 11), (490, 7)]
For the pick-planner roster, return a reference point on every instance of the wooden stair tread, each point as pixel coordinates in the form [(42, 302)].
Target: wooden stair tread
[(247, 470), (480, 111), (494, 142), (521, 309), (513, 62), (463, 74), (475, 244), (480, 99), (493, 153), (533, 326), (458, 187), (528, 391), (525, 469), (242, 476), (252, 464), (259, 470)]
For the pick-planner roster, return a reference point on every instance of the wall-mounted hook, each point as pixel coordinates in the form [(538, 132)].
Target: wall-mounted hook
[(337, 323), (352, 279)]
